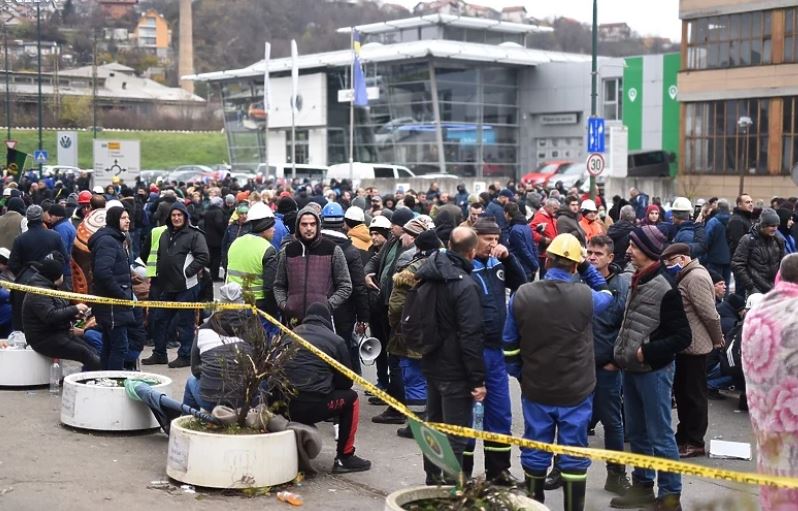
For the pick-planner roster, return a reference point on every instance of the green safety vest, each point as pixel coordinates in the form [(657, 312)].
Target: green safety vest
[(152, 260), (245, 263)]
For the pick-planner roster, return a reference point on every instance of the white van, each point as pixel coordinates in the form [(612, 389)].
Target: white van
[(362, 171), (283, 170)]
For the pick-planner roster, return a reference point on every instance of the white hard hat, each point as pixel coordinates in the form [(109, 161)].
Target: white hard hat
[(4, 252), (113, 204), (380, 222), (682, 204), (588, 205), (355, 213), (7, 192), (98, 189), (259, 211)]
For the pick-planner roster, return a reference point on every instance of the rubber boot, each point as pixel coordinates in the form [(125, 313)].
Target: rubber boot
[(497, 462), (534, 484), (574, 491)]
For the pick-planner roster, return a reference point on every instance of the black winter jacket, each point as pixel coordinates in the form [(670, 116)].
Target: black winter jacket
[(182, 254), (356, 307), (33, 245), (756, 261), (738, 226), (215, 226), (458, 315), (45, 318), (307, 372), (111, 276), (619, 234)]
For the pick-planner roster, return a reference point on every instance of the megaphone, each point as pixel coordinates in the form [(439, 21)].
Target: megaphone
[(369, 349)]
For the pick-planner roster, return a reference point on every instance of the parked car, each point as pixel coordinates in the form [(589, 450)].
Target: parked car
[(153, 175), (573, 174), (362, 171), (62, 170), (284, 170), (544, 172)]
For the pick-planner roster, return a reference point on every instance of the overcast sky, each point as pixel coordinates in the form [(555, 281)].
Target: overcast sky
[(655, 17)]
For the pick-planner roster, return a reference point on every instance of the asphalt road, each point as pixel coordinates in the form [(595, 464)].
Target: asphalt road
[(44, 465)]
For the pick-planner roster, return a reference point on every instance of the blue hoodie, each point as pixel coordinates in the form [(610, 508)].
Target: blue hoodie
[(716, 246)]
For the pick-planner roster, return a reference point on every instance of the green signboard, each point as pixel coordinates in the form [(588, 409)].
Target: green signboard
[(436, 447)]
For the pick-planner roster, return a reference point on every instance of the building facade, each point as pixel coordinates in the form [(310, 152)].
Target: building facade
[(738, 85), (152, 34)]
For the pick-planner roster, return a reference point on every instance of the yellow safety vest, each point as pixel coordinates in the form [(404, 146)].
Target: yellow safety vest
[(152, 260), (245, 263)]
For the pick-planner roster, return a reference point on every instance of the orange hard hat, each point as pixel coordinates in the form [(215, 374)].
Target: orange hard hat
[(242, 196), (84, 197)]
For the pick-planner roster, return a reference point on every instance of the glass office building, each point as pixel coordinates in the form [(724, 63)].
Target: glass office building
[(444, 97)]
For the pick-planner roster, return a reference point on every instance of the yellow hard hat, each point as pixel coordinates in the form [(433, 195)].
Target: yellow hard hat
[(566, 246), (115, 180)]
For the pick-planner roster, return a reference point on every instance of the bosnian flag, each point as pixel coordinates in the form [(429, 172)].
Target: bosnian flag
[(360, 97)]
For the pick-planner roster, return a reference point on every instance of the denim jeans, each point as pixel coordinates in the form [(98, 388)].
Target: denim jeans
[(716, 380), (607, 408), (115, 345), (191, 395), (183, 322), (647, 401)]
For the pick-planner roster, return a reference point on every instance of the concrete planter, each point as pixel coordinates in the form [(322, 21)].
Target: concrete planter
[(22, 368), (107, 408), (396, 500), (216, 460)]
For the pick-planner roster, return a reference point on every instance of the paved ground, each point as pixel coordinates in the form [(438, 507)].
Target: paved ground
[(44, 465)]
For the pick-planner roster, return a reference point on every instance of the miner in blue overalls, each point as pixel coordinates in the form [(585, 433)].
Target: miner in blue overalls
[(549, 330), (494, 270)]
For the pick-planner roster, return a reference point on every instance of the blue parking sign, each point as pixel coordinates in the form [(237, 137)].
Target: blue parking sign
[(595, 135)]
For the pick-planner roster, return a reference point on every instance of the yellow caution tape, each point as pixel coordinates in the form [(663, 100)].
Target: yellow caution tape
[(619, 457)]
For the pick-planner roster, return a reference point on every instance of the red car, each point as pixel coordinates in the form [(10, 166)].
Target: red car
[(544, 172)]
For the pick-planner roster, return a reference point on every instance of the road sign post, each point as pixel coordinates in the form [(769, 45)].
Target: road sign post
[(595, 164), (40, 156), (595, 135)]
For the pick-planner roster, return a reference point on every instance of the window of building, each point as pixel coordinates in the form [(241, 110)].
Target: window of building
[(790, 134), (301, 146), (729, 41), (791, 35), (613, 99), (715, 145)]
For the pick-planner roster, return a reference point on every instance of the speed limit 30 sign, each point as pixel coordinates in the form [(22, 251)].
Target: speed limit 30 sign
[(595, 164)]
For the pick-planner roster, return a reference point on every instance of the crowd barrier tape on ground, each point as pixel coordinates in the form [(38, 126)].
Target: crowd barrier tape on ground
[(620, 457)]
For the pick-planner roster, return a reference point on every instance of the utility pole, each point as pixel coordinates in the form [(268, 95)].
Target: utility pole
[(39, 66), (594, 84), (56, 95), (94, 86), (8, 87)]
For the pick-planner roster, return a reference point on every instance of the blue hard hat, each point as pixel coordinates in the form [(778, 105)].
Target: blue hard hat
[(332, 210)]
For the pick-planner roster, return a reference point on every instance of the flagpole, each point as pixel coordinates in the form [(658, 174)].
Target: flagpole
[(267, 52), (352, 109), (294, 81)]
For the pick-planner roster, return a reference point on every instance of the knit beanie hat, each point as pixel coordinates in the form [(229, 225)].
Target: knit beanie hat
[(737, 302), (51, 269), (414, 227), (263, 224), (112, 216), (34, 213), (650, 240), (769, 217), (286, 204), (401, 216), (427, 240), (16, 204), (487, 226)]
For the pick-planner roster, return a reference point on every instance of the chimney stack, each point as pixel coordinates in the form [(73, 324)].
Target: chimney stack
[(185, 65)]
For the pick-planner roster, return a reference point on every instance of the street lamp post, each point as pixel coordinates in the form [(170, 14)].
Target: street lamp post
[(744, 125), (594, 84), (8, 87)]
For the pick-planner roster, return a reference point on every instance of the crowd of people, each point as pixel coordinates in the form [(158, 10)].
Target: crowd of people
[(604, 312)]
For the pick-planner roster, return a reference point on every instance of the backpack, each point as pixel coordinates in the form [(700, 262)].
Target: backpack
[(419, 325), (731, 360)]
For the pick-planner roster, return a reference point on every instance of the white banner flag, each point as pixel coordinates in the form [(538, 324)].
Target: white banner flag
[(267, 87)]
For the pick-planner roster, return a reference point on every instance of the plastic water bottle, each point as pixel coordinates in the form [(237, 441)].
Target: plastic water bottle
[(479, 415), (17, 340), (55, 376)]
